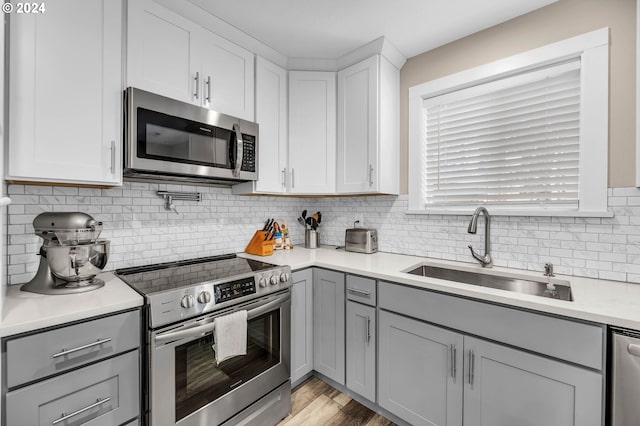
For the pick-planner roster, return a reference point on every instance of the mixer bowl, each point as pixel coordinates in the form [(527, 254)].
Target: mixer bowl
[(79, 262)]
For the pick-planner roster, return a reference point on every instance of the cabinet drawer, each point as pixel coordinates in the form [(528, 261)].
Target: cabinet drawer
[(573, 341), (106, 393), (40, 355), (360, 289)]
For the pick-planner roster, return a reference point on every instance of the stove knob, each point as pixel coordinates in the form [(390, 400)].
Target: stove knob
[(204, 297), (262, 282), (284, 277), (187, 301), (274, 279)]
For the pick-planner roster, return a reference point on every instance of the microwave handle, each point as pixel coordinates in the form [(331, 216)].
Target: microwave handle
[(239, 150)]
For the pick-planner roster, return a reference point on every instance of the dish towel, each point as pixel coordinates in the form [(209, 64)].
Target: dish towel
[(230, 334)]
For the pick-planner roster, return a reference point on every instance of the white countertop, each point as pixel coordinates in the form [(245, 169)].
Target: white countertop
[(600, 301), (23, 311), (607, 302)]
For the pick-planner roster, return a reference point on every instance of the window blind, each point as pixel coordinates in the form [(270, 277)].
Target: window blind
[(513, 141)]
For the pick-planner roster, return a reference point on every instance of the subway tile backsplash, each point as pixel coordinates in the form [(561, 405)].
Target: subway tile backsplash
[(142, 231)]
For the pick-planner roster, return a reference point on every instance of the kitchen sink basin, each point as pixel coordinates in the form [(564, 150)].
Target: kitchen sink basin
[(561, 289)]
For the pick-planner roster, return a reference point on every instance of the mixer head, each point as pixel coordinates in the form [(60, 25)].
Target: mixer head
[(67, 228)]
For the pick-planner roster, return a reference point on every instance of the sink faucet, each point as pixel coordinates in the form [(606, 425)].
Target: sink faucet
[(485, 260)]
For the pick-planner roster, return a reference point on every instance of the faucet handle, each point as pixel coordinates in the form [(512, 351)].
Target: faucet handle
[(548, 269)]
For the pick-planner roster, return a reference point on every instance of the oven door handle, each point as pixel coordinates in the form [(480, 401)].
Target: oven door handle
[(201, 330)]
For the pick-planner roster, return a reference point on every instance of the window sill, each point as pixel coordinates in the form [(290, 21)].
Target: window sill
[(513, 212)]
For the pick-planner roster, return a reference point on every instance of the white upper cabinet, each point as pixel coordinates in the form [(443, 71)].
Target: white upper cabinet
[(368, 128), (312, 132), (161, 51), (65, 94), (227, 76), (175, 57), (271, 116)]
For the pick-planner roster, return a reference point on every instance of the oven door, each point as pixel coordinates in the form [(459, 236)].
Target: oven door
[(187, 387)]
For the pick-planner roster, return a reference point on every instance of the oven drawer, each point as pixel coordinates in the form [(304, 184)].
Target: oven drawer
[(40, 355), (106, 393), (360, 289)]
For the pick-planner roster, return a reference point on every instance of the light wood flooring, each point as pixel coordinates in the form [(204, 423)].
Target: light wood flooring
[(316, 403)]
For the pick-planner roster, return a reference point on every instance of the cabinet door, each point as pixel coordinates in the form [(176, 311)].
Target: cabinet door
[(65, 94), (271, 116), (301, 324), (312, 132), (328, 324), (358, 127), (227, 76), (162, 51), (506, 387), (361, 350), (420, 371)]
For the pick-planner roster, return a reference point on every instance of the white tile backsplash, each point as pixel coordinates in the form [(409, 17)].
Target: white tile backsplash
[(142, 231)]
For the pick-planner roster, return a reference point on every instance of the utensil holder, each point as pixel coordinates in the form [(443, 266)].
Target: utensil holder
[(311, 239), (258, 245)]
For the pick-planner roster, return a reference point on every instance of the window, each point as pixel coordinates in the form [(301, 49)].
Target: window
[(524, 135)]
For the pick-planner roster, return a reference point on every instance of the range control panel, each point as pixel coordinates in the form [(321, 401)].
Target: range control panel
[(177, 305), (234, 289)]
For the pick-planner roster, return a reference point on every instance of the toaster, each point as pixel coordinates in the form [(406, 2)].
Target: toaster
[(361, 240)]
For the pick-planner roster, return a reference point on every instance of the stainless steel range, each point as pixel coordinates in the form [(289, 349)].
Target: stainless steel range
[(185, 384)]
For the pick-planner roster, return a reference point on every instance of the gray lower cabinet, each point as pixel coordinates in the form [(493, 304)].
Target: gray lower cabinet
[(361, 349), (82, 373), (329, 324), (506, 387), (433, 376), (106, 393), (301, 324), (420, 371)]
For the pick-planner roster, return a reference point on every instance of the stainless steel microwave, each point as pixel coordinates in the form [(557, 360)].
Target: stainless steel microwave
[(170, 140)]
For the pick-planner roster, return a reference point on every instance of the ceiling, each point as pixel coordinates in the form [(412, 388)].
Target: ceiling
[(333, 28)]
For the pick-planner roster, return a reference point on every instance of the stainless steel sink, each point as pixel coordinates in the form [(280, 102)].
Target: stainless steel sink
[(502, 282)]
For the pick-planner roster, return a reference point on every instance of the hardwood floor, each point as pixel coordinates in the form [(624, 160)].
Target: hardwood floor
[(316, 403)]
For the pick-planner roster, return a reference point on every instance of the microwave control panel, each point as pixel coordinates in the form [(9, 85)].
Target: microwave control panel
[(248, 153)]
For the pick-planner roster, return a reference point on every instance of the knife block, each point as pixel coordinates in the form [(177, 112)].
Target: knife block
[(258, 245)]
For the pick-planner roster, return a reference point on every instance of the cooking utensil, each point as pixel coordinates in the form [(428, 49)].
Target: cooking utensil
[(319, 218), (314, 223), (304, 214), (301, 221)]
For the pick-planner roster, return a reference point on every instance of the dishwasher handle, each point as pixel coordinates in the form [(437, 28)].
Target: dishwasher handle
[(633, 349)]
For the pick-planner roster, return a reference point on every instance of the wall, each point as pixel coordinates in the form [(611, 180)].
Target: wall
[(591, 247), (141, 231), (558, 21)]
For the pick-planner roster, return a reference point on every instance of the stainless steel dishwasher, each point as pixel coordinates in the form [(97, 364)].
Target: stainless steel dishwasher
[(625, 377)]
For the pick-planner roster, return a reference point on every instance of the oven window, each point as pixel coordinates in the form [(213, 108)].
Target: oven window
[(175, 139), (200, 381)]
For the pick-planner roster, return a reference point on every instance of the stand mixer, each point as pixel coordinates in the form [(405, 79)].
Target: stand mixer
[(71, 254)]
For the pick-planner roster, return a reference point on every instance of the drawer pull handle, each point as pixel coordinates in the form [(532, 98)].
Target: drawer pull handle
[(79, 348), (65, 416), (359, 292), (368, 329)]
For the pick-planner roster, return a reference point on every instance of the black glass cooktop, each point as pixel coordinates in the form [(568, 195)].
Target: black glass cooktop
[(173, 275)]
